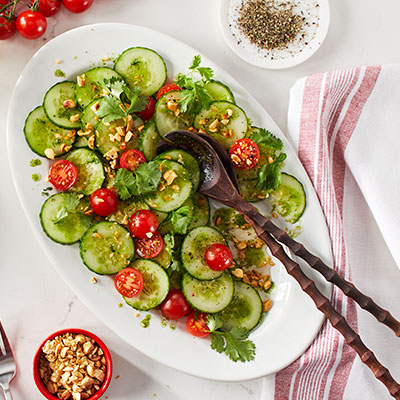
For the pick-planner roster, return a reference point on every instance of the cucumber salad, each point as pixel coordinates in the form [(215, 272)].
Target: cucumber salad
[(138, 215)]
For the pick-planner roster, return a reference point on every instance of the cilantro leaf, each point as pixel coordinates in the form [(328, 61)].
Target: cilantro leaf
[(169, 242), (195, 62), (206, 73), (265, 138), (109, 109), (144, 180), (233, 343), (115, 86), (181, 219), (70, 204), (269, 175)]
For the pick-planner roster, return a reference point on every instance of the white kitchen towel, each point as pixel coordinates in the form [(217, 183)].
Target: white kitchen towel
[(345, 126)]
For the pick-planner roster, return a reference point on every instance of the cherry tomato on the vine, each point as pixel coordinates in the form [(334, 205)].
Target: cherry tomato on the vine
[(175, 306), (131, 159), (196, 324), (149, 247), (129, 282), (148, 111), (49, 7), (77, 6), (104, 202), (218, 257), (7, 27), (31, 24), (244, 153), (169, 87), (143, 224), (63, 174)]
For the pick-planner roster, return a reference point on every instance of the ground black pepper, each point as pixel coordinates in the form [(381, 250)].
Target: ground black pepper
[(269, 24)]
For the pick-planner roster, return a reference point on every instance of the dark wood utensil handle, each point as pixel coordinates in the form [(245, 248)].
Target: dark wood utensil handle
[(258, 222), (365, 302)]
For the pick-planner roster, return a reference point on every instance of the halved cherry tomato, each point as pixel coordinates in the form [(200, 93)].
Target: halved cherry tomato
[(129, 282), (149, 247), (169, 87), (148, 111), (49, 7), (7, 27), (131, 159), (143, 224), (63, 174), (175, 306), (77, 6), (104, 202), (218, 257), (196, 324), (31, 24), (244, 153)]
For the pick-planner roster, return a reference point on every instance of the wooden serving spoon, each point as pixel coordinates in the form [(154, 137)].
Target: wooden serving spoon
[(218, 182)]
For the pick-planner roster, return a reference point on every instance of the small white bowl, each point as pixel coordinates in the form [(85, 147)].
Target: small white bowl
[(317, 17)]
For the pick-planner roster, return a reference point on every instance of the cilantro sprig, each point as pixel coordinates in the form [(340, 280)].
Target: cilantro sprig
[(265, 138), (180, 219), (114, 106), (269, 175), (234, 342), (194, 95), (144, 180)]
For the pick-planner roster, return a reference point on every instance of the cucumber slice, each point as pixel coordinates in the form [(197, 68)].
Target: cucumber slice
[(143, 68), (149, 140), (105, 130), (90, 171), (250, 192), (43, 136), (93, 84), (208, 296), (126, 209), (106, 248), (59, 223), (155, 289), (163, 259), (175, 193), (201, 211), (53, 104), (188, 161), (245, 309), (166, 120), (235, 126), (194, 245), (219, 91), (289, 200)]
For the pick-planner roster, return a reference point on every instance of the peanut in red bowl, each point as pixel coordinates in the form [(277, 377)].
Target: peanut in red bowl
[(72, 361)]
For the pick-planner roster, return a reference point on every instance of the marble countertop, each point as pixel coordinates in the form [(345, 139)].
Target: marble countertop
[(34, 301)]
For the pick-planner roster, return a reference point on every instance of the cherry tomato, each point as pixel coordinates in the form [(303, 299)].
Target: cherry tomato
[(149, 247), (142, 224), (218, 257), (129, 282), (77, 6), (104, 202), (49, 7), (175, 306), (196, 324), (169, 87), (7, 28), (63, 174), (131, 159), (148, 111), (31, 24), (244, 153)]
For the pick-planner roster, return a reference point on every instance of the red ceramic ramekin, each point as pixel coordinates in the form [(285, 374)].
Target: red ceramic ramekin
[(36, 376)]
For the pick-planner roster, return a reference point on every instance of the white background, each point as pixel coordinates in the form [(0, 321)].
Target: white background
[(34, 301)]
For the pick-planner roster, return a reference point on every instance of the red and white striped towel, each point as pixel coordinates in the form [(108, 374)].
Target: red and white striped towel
[(345, 126)]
